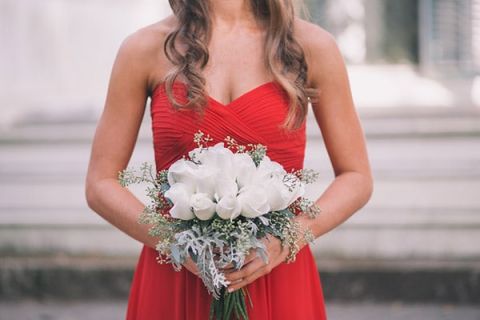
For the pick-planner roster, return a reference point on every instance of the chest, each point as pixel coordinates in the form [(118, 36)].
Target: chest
[(235, 66)]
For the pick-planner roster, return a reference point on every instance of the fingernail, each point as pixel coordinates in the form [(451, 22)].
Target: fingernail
[(230, 290)]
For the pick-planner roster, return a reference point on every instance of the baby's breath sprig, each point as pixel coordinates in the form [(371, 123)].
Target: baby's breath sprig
[(290, 236), (306, 175), (201, 139), (257, 152), (162, 176), (233, 145), (290, 181), (130, 176), (308, 236), (306, 206), (292, 232), (313, 210), (225, 227)]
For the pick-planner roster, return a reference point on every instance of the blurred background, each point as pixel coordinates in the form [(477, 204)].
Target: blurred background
[(413, 252)]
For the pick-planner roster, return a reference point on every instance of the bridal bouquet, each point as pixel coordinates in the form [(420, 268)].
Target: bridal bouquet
[(222, 200)]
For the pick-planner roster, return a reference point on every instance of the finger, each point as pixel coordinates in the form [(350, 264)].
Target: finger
[(231, 268), (249, 279), (226, 267), (233, 282), (250, 257), (246, 270), (193, 270), (191, 266)]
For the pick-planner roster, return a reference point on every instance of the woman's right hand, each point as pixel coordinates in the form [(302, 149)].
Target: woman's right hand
[(190, 265)]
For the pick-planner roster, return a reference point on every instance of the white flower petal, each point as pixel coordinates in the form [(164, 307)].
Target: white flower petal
[(220, 158), (197, 154), (180, 171), (254, 201), (205, 179), (280, 196), (228, 207), (179, 195), (244, 168), (203, 206), (182, 211), (225, 186)]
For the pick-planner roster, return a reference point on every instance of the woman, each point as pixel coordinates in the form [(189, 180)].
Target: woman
[(249, 68)]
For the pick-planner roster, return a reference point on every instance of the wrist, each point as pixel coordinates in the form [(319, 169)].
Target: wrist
[(299, 236)]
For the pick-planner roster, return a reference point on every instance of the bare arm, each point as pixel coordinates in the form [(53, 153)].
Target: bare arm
[(342, 132), (115, 138)]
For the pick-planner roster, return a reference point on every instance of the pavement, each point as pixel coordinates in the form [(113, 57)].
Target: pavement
[(115, 310)]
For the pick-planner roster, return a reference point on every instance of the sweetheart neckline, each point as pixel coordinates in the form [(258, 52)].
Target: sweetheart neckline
[(214, 100)]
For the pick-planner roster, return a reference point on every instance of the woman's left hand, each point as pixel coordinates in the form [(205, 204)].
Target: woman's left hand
[(256, 267)]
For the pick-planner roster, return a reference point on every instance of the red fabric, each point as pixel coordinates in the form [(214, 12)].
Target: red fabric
[(289, 291)]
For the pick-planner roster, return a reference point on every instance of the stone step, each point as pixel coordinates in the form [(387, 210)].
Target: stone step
[(377, 123), (93, 278)]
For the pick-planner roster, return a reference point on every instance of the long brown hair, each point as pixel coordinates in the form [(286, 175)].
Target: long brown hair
[(284, 56)]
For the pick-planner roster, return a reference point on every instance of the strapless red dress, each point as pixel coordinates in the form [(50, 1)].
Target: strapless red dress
[(290, 291)]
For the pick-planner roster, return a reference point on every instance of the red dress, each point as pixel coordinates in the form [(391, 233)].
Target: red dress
[(289, 291)]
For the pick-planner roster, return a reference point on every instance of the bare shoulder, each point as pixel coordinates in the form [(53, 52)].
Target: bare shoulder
[(311, 34), (320, 47), (143, 49), (149, 38)]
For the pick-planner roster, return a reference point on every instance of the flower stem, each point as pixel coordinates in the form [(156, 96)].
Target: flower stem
[(229, 303)]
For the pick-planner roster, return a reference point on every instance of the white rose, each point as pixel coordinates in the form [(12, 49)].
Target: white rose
[(200, 178), (228, 207), (179, 194), (197, 154), (181, 171), (204, 180), (254, 201), (219, 157), (203, 206), (278, 194), (266, 169), (225, 186), (244, 168)]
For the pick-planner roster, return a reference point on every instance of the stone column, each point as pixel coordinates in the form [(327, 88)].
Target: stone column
[(347, 22), (449, 44)]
